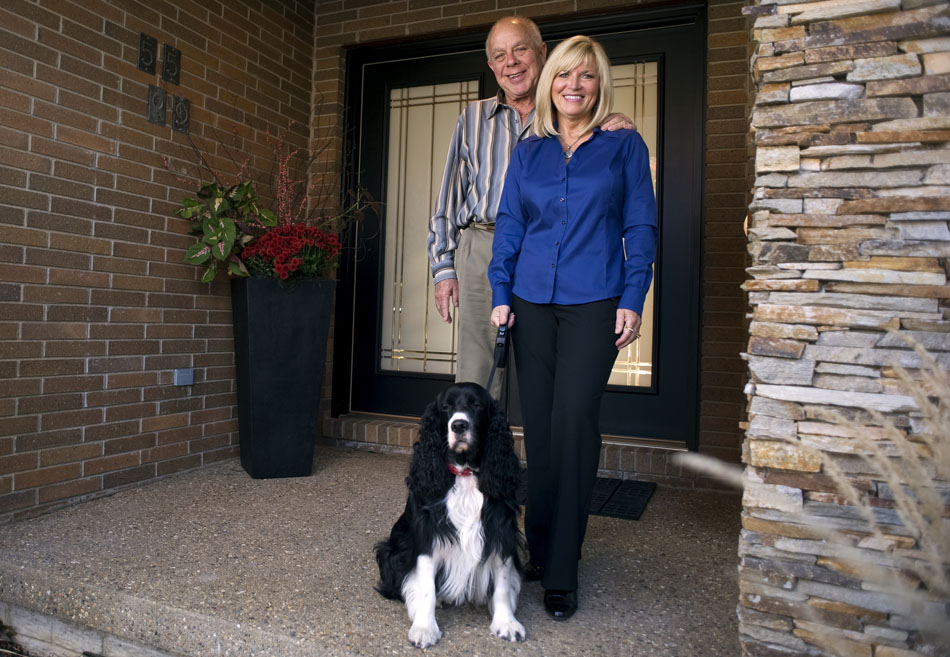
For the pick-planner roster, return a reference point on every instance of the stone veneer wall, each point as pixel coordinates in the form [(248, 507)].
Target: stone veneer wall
[(848, 235)]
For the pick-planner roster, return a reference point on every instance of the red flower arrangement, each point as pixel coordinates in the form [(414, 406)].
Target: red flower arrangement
[(297, 239), (293, 250)]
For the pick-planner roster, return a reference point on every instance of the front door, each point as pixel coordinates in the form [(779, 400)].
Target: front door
[(393, 351)]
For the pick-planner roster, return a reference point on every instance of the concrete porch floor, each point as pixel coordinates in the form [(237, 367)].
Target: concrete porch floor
[(212, 562)]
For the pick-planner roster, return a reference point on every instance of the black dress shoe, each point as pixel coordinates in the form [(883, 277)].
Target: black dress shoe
[(560, 605), (533, 573)]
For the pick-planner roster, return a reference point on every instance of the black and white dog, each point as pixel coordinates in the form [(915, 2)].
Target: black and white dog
[(458, 539)]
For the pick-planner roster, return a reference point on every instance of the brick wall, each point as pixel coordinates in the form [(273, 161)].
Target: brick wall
[(727, 177), (96, 306)]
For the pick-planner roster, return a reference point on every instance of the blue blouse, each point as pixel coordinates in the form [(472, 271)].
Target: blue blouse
[(562, 228)]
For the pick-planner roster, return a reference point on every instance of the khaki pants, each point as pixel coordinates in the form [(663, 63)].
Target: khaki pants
[(476, 346)]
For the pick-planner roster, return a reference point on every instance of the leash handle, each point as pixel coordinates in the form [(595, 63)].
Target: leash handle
[(501, 353)]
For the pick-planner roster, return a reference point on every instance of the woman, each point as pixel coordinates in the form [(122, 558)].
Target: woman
[(577, 200)]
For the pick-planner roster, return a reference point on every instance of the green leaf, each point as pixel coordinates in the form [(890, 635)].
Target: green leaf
[(230, 229), (241, 192), (237, 268), (209, 273), (210, 230), (209, 190), (223, 249), (189, 210), (198, 253), (213, 228), (267, 218)]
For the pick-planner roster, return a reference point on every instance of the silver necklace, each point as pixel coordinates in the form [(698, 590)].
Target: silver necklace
[(569, 153)]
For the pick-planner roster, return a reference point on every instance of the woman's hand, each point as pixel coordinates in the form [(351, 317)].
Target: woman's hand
[(627, 327), (502, 316)]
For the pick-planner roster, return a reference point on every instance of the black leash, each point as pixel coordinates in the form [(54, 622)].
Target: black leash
[(501, 354)]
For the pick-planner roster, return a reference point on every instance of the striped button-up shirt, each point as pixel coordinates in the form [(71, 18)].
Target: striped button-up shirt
[(485, 135)]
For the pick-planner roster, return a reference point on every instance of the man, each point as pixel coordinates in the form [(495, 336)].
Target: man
[(485, 136)]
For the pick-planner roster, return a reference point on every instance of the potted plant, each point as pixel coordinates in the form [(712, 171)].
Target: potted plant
[(282, 265)]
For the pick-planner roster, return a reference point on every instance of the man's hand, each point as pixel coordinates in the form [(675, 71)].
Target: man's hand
[(617, 121), (447, 295), (627, 327)]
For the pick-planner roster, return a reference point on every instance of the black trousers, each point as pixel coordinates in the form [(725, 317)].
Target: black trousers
[(564, 357)]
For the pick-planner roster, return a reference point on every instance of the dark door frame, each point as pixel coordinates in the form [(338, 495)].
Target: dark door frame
[(688, 280)]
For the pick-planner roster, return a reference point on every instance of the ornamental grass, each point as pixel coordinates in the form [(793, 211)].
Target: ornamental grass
[(892, 535)]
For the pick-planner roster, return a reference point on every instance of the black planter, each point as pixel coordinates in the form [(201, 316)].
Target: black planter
[(280, 347)]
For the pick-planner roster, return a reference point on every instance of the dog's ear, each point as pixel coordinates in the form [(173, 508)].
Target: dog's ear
[(430, 421), (429, 476), (500, 472)]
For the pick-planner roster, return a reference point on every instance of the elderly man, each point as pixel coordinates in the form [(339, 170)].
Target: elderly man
[(485, 136)]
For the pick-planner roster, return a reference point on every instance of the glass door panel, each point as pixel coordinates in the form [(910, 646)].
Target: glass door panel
[(635, 94), (421, 120)]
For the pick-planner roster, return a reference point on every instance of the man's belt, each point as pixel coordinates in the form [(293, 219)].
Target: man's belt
[(488, 227)]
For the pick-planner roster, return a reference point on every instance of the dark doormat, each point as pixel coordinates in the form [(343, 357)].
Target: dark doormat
[(615, 498), (628, 500)]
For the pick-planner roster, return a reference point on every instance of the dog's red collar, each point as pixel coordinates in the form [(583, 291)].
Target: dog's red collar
[(464, 472)]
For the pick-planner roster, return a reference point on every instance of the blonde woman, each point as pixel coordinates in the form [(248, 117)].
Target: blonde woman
[(574, 242)]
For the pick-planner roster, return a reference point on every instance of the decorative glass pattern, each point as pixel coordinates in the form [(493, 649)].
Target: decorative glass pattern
[(414, 337), (635, 94)]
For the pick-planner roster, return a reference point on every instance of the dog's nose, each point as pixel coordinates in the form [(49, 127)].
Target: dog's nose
[(460, 426)]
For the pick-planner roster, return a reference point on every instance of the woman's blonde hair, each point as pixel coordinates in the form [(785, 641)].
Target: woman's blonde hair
[(568, 55)]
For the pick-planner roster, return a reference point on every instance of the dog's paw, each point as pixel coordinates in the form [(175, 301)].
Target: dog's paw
[(423, 636), (510, 630)]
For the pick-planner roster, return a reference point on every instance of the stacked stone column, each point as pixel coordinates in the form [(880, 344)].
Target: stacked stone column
[(848, 236)]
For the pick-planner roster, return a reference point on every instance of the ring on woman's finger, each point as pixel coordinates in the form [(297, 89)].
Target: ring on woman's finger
[(628, 328)]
